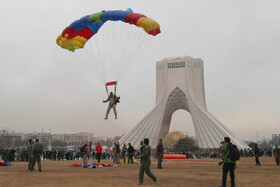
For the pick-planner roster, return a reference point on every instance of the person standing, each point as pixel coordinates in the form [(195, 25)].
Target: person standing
[(30, 156), (118, 150), (160, 151), (114, 153), (229, 165), (130, 151), (37, 153), (257, 154), (98, 150), (86, 153), (124, 149), (276, 152), (12, 154), (5, 154), (146, 163)]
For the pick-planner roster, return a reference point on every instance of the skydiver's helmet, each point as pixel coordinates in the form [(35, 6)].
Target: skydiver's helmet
[(111, 94)]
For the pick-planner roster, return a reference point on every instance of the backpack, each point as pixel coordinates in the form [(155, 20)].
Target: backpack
[(234, 153)]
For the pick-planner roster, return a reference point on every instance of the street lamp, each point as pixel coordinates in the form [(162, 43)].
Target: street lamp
[(13, 133)]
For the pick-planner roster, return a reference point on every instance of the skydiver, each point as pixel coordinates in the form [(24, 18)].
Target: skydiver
[(113, 100)]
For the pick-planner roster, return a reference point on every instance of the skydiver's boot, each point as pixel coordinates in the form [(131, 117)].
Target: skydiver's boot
[(107, 113)]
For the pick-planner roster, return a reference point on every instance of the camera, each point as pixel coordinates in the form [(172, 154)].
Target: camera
[(221, 162)]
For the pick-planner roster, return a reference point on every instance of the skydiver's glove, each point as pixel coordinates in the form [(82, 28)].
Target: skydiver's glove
[(104, 101)]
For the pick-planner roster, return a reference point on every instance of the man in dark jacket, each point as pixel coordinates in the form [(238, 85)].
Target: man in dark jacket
[(257, 154), (130, 151), (124, 149), (37, 151), (118, 149), (160, 151), (146, 163), (30, 156), (229, 165), (86, 153)]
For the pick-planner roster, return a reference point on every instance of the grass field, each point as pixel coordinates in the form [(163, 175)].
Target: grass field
[(204, 172)]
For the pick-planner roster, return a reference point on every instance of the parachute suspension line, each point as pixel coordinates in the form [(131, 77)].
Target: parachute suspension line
[(94, 61), (100, 50), (113, 48), (133, 46), (80, 56), (127, 46), (118, 91), (107, 90), (97, 69), (141, 47), (86, 55), (117, 51), (83, 55), (122, 38)]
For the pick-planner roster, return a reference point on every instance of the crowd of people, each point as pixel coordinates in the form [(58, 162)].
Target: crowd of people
[(228, 153), (117, 153), (215, 153)]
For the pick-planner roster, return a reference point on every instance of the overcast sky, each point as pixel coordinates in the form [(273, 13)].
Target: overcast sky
[(239, 42)]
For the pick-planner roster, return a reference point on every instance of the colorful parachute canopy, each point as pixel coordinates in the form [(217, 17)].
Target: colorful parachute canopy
[(80, 31)]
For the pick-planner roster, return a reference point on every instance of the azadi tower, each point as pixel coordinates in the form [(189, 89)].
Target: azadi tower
[(180, 85)]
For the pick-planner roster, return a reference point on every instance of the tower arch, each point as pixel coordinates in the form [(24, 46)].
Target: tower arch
[(180, 85)]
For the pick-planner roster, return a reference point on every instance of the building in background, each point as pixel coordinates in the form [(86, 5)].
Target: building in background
[(9, 138), (74, 139)]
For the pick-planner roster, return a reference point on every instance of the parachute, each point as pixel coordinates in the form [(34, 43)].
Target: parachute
[(80, 31), (108, 41)]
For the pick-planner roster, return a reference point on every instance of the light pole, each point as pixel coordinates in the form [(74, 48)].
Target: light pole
[(50, 136), (13, 133)]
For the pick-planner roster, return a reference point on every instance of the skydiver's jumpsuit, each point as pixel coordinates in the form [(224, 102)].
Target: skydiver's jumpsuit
[(112, 104)]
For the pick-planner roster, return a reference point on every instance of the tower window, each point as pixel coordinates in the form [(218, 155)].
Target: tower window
[(176, 64)]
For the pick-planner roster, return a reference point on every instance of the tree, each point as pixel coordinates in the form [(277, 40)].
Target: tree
[(185, 144)]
